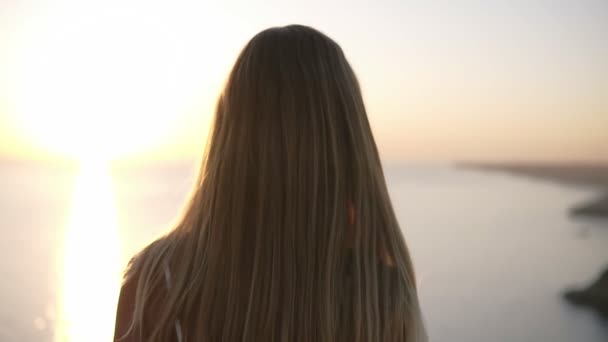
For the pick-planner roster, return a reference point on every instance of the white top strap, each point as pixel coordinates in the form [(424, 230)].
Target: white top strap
[(178, 326)]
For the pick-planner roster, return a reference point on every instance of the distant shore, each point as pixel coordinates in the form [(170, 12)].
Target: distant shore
[(592, 176)]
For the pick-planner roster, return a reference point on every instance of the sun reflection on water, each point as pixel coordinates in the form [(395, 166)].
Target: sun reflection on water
[(91, 260)]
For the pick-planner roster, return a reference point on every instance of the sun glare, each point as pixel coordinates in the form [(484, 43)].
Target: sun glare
[(99, 81), (94, 84), (91, 79)]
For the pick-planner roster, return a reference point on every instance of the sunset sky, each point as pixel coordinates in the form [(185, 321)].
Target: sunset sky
[(442, 80)]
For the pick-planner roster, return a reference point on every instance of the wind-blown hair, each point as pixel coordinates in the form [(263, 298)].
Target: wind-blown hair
[(289, 234)]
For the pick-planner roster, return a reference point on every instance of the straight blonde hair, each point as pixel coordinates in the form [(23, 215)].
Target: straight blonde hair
[(289, 234)]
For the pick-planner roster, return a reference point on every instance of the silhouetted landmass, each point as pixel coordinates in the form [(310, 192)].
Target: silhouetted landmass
[(595, 295), (597, 207), (592, 176)]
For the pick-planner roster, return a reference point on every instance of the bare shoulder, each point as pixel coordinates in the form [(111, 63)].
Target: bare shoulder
[(125, 309), (152, 250), (128, 292)]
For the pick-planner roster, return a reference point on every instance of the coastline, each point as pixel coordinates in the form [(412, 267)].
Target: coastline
[(592, 176)]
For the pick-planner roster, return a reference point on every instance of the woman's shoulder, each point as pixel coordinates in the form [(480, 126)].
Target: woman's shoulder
[(139, 268), (152, 253)]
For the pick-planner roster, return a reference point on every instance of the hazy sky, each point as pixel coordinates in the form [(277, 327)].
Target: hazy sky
[(442, 80)]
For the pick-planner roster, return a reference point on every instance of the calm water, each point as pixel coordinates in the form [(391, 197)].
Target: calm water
[(493, 252)]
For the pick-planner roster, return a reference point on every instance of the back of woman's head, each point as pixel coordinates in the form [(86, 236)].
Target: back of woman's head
[(290, 234)]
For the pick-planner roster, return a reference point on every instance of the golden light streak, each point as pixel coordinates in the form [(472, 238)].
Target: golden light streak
[(91, 260)]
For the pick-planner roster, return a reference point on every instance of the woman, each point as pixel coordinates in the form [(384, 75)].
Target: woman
[(290, 234)]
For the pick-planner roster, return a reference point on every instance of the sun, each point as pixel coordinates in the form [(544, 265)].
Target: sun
[(97, 81)]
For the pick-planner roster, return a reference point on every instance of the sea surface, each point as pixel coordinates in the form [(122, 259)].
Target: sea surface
[(493, 252)]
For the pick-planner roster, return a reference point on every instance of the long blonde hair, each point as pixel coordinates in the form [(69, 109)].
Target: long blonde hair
[(290, 234)]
